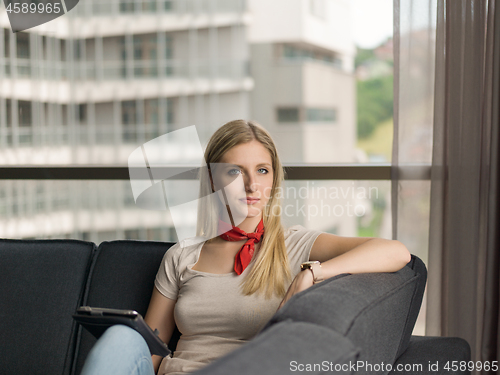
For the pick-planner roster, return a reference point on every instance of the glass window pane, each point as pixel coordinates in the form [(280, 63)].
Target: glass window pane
[(321, 115), (288, 115), (6, 43), (336, 91), (324, 92), (23, 45), (24, 113)]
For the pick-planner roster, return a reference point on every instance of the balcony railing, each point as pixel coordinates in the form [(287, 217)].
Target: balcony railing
[(92, 8), (293, 172), (119, 70)]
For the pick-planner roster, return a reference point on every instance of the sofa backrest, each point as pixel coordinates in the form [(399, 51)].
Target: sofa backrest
[(122, 276), (42, 283), (376, 311)]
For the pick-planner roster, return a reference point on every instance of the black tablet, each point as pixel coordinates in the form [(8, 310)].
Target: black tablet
[(96, 320)]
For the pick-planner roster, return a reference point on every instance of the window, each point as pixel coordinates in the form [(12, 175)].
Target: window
[(23, 46), (291, 114), (294, 114), (137, 51), (43, 47), (145, 55), (151, 111), (24, 110), (169, 55), (8, 112), (40, 197), (145, 46), (321, 115), (169, 47), (64, 114), (126, 6), (168, 5), (132, 234), (169, 117), (123, 47), (79, 47), (129, 112), (291, 52), (82, 113), (6, 42), (63, 49), (149, 6)]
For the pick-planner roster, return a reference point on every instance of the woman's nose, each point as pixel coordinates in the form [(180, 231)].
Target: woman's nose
[(250, 184)]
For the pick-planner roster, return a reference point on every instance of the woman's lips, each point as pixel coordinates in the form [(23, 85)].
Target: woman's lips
[(250, 200)]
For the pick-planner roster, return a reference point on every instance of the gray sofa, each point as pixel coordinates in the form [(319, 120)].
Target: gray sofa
[(343, 325)]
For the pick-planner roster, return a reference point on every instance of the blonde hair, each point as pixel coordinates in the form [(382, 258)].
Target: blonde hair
[(271, 271)]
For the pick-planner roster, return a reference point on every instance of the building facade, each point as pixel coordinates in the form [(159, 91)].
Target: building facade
[(90, 87)]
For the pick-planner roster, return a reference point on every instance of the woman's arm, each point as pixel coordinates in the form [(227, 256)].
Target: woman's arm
[(160, 315), (339, 254)]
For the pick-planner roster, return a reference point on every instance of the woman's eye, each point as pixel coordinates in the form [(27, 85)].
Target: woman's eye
[(233, 171), (265, 170)]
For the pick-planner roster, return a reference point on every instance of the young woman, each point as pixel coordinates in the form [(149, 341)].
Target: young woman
[(221, 291)]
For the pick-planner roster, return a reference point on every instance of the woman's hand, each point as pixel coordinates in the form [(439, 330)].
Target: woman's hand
[(302, 281)]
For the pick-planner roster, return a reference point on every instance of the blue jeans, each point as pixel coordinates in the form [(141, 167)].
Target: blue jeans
[(120, 350)]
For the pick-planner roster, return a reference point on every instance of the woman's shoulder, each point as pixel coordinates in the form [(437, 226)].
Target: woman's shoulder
[(299, 235), (183, 248), (296, 230)]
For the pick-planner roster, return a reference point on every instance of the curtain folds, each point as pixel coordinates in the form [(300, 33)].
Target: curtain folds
[(414, 66), (446, 95)]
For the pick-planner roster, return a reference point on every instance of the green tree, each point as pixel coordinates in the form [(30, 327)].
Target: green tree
[(375, 103), (362, 56)]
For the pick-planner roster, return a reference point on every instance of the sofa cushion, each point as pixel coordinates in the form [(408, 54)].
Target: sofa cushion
[(371, 309), (288, 347), (42, 285), (122, 277)]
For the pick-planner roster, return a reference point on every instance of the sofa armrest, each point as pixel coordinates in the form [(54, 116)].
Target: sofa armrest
[(289, 347), (370, 309), (428, 355)]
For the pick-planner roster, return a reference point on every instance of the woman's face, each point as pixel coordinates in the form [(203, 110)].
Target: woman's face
[(247, 175)]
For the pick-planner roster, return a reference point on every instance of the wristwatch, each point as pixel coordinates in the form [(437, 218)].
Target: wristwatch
[(315, 267)]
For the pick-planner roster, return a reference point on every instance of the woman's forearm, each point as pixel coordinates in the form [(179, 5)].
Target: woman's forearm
[(375, 255)]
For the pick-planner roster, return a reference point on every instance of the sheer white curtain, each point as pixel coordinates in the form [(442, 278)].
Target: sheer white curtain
[(414, 57)]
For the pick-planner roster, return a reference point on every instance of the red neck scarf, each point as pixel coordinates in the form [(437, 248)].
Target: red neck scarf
[(245, 254)]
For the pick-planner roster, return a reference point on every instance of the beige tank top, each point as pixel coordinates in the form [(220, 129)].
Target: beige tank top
[(212, 315)]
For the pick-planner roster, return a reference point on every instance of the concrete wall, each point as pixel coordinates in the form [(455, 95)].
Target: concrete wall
[(305, 85), (325, 87), (294, 21)]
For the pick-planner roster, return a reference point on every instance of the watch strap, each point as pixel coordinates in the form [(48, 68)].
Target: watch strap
[(317, 272)]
